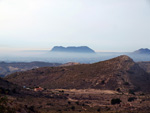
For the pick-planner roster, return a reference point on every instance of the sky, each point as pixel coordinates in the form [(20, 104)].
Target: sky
[(103, 25)]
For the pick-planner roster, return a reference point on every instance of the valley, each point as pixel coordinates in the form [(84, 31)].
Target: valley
[(74, 56)]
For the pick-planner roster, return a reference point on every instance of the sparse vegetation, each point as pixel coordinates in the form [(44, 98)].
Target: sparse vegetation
[(4, 107)]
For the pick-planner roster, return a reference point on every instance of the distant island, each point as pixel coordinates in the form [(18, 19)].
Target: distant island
[(72, 49), (142, 51)]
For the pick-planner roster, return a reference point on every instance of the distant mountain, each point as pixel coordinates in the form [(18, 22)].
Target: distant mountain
[(142, 51), (9, 68), (120, 73), (72, 49)]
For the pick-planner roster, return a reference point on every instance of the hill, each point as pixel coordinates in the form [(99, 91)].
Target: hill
[(9, 68), (120, 73), (72, 49), (142, 51)]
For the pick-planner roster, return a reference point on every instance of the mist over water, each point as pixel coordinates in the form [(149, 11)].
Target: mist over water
[(61, 57)]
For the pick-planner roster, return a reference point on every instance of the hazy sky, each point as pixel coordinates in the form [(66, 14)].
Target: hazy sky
[(103, 25)]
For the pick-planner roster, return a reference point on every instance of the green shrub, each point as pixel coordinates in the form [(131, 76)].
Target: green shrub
[(118, 89), (126, 83), (115, 101), (77, 103), (103, 82), (131, 92), (73, 108), (130, 99), (61, 91), (98, 109), (32, 108), (69, 102)]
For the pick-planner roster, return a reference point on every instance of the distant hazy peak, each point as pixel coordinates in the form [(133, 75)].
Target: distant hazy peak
[(142, 51), (80, 49)]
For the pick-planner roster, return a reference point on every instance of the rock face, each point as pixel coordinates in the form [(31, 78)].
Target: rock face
[(81, 49), (120, 73), (142, 51)]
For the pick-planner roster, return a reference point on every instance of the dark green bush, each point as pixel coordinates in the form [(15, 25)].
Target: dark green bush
[(130, 99), (31, 108), (126, 83), (131, 92), (69, 102), (115, 101), (73, 108), (103, 82), (98, 109), (77, 103), (118, 89)]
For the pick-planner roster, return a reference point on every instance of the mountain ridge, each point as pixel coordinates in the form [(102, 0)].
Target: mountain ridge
[(142, 51), (72, 49), (120, 73)]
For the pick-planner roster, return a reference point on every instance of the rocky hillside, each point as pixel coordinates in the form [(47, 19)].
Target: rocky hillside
[(145, 65), (120, 73), (4, 84), (7, 88)]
